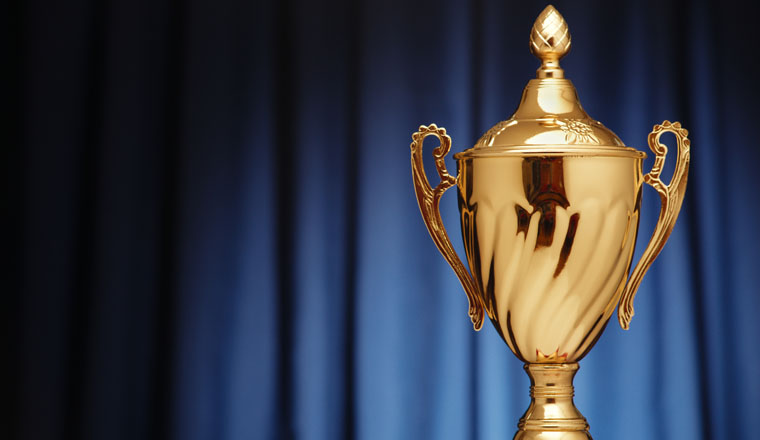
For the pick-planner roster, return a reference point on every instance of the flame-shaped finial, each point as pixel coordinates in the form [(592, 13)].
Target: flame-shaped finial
[(550, 41)]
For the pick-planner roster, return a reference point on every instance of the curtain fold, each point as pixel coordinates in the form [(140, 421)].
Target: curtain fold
[(216, 233)]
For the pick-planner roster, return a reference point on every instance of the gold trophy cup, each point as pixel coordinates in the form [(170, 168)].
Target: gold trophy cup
[(549, 207)]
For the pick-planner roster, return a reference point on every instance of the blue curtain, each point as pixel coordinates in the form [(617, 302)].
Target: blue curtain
[(217, 235)]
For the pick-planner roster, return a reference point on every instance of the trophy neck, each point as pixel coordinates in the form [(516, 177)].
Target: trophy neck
[(551, 409)]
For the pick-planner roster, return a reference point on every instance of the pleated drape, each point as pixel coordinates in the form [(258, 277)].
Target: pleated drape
[(217, 235)]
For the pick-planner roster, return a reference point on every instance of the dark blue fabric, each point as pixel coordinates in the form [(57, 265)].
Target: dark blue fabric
[(218, 238)]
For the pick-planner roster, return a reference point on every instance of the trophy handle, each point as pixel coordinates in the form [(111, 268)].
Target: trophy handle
[(429, 198), (671, 197)]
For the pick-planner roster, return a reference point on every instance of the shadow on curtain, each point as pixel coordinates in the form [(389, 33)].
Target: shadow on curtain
[(218, 239)]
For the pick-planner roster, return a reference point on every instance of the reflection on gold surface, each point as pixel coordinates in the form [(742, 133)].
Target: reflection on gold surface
[(549, 209), (550, 41), (552, 415), (429, 199), (671, 197), (549, 241)]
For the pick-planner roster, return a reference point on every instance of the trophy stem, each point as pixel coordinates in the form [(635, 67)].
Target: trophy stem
[(552, 413)]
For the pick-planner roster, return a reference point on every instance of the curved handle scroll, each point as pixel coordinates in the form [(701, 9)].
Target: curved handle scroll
[(429, 199), (671, 197)]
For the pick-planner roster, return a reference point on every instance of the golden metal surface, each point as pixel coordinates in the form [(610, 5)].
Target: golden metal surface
[(549, 210), (550, 41), (552, 414), (429, 199), (549, 113), (671, 197), (549, 241)]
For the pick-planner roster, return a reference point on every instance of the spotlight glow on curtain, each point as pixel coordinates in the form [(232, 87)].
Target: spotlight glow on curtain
[(221, 241)]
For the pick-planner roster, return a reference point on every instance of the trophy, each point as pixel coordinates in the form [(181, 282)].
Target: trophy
[(549, 208)]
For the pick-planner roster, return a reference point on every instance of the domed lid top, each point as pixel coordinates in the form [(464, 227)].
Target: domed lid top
[(549, 117)]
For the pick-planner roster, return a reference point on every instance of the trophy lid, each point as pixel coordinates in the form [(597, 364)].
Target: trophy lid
[(549, 118)]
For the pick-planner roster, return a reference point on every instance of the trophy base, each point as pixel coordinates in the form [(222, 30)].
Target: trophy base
[(552, 415)]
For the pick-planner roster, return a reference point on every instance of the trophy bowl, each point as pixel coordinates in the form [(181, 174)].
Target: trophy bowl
[(549, 241), (549, 203)]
